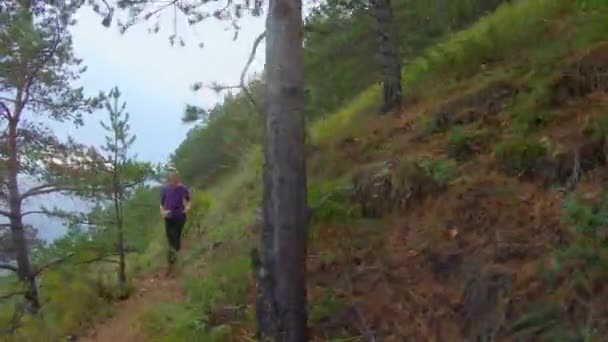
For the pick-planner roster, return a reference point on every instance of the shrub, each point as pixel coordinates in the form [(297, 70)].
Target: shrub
[(464, 143), (520, 155), (529, 120), (325, 305), (597, 129), (330, 201), (578, 270), (442, 171)]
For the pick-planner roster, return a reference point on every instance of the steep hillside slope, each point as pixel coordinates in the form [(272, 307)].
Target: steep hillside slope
[(477, 213)]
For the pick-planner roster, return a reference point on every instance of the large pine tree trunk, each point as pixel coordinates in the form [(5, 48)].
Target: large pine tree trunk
[(24, 268), (389, 55), (283, 288)]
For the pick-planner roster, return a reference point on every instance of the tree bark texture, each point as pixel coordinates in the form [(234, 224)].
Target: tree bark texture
[(24, 268), (282, 287), (389, 55)]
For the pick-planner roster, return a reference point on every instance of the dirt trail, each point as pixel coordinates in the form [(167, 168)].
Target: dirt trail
[(122, 327)]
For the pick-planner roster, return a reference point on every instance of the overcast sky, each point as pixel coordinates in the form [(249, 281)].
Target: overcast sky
[(155, 81), (155, 78)]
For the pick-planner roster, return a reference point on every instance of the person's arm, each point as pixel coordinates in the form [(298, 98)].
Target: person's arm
[(186, 199), (163, 197)]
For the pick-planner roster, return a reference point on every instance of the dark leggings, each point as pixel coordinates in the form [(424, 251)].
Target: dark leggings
[(173, 228)]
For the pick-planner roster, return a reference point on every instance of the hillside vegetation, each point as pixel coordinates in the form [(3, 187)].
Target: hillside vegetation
[(476, 213)]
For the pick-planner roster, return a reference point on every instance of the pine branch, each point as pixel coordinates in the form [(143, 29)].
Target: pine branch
[(104, 258), (43, 61)]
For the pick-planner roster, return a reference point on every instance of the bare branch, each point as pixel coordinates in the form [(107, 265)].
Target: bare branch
[(6, 112), (6, 99), (42, 190), (5, 213), (12, 294), (51, 263), (104, 258), (242, 85), (33, 212), (8, 267), (256, 43), (160, 9)]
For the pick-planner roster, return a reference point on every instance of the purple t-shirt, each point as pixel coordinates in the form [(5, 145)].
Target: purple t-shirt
[(172, 198)]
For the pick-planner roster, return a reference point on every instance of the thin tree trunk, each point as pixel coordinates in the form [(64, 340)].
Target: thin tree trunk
[(122, 273), (285, 210), (117, 196), (389, 55), (24, 268)]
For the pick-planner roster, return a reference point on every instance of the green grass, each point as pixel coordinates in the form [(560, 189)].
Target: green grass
[(71, 301), (341, 122), (511, 30)]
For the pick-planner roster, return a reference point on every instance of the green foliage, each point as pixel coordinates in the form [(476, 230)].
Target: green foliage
[(581, 266), (62, 315), (340, 122), (335, 25), (330, 201), (591, 4), (223, 136), (465, 142), (597, 129), (226, 132), (519, 155), (589, 222), (225, 283), (325, 305), (530, 120), (200, 204), (442, 171), (515, 26), (529, 111), (177, 322)]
